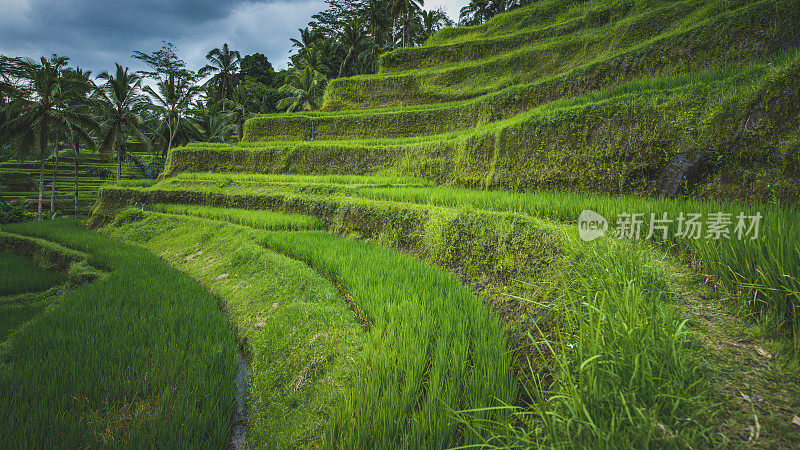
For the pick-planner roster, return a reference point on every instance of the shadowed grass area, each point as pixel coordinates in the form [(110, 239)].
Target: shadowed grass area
[(21, 275), (141, 357)]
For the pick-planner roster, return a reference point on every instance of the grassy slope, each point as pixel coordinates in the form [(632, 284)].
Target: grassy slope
[(764, 270), (617, 328), (403, 305), (647, 42), (21, 276), (664, 38), (676, 76), (297, 331), (638, 383), (141, 357)]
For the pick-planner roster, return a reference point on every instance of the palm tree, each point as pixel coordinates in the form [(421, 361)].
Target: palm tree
[(431, 22), (36, 110), (316, 57), (212, 124), (238, 114), (171, 98), (303, 89), (121, 103), (74, 124), (376, 14), (306, 41), (353, 40), (224, 63), (77, 134), (406, 10)]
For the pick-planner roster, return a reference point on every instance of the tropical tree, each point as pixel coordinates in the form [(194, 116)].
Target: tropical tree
[(224, 63), (475, 13), (211, 122), (307, 39), (171, 99), (317, 57), (353, 39), (376, 14), (431, 22), (37, 109), (303, 91), (406, 11), (120, 102), (78, 133)]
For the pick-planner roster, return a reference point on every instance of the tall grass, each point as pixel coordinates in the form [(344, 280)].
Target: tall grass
[(21, 275), (300, 336), (18, 309), (141, 358), (621, 371), (766, 270), (433, 346), (267, 220)]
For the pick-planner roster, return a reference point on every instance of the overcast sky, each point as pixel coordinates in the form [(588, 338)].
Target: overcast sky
[(97, 33)]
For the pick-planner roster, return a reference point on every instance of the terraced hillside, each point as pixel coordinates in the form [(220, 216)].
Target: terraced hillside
[(582, 96), (20, 180), (403, 269)]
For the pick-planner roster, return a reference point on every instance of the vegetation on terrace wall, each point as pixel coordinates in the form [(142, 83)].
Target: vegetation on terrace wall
[(664, 42), (617, 142)]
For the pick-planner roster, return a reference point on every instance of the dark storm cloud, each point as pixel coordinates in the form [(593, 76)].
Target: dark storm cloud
[(97, 33)]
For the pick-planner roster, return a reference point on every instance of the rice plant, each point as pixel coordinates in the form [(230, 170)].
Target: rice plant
[(266, 220), (433, 347), (21, 275), (141, 357)]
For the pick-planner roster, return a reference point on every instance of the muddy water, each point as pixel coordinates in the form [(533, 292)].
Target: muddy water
[(239, 434)]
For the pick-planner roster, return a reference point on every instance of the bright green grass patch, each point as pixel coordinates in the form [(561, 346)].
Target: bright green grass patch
[(266, 220), (418, 120), (297, 179), (433, 347), (141, 357), (624, 370), (21, 275), (301, 338), (767, 269)]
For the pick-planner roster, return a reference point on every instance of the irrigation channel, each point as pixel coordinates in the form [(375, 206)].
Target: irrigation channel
[(239, 433)]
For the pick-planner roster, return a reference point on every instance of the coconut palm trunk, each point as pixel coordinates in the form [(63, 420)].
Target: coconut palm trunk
[(41, 188), (119, 157), (77, 164), (53, 187), (42, 148)]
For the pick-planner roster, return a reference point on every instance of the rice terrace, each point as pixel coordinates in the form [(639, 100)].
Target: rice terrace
[(461, 224)]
